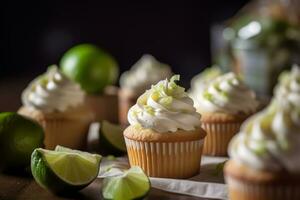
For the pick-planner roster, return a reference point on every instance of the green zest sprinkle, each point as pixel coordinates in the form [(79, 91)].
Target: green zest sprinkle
[(43, 80), (175, 78), (208, 96), (169, 89), (149, 109), (217, 87), (260, 150), (166, 101)]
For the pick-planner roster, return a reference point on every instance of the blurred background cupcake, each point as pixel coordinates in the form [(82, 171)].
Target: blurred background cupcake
[(265, 162), (224, 104), (58, 105), (165, 137), (95, 71), (141, 76), (200, 81)]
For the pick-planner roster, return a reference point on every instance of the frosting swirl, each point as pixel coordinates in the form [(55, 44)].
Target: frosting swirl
[(199, 82), (166, 107), (227, 94), (289, 87), (144, 73), (270, 140), (52, 91)]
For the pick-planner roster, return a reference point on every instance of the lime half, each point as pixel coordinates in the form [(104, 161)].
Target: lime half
[(64, 170), (111, 138), (133, 184)]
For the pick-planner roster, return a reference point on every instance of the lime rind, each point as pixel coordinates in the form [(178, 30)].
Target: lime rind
[(132, 184)]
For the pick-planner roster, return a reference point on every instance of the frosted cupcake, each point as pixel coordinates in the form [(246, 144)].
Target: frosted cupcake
[(265, 161), (58, 105), (165, 136), (200, 81), (141, 76), (224, 105)]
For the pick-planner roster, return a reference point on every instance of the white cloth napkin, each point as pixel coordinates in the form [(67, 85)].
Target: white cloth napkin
[(209, 183)]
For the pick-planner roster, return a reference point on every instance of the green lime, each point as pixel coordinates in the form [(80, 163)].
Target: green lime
[(111, 138), (132, 184), (19, 136), (90, 66), (64, 170)]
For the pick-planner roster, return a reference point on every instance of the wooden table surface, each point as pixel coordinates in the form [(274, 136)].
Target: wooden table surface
[(25, 188)]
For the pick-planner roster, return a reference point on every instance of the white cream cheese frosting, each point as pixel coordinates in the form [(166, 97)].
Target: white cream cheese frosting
[(144, 73), (289, 86), (52, 91), (270, 140), (227, 94), (200, 81), (166, 107)]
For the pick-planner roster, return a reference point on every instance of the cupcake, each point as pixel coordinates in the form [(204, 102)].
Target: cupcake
[(58, 105), (200, 81), (141, 76), (224, 104), (104, 106), (165, 137), (265, 161)]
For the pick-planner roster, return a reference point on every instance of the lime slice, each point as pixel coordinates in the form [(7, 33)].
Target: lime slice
[(133, 184), (111, 138), (64, 169)]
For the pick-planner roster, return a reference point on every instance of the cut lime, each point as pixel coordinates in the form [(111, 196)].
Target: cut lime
[(111, 138), (64, 169), (133, 184), (19, 136)]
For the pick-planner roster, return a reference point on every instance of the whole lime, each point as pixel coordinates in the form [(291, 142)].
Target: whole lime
[(19, 136), (90, 66)]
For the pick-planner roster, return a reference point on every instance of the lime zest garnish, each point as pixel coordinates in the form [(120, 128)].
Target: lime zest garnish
[(149, 109), (174, 78), (166, 101), (208, 96), (43, 80)]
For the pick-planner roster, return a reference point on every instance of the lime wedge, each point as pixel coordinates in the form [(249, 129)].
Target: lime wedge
[(132, 184), (111, 138), (64, 170)]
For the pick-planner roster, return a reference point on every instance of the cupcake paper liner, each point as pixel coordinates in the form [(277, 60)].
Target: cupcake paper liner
[(218, 137), (166, 159), (65, 132), (246, 190), (69, 130)]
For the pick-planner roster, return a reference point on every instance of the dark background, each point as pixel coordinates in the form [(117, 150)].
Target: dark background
[(36, 34)]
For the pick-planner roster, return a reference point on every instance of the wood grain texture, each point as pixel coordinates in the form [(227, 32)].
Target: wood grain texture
[(24, 188)]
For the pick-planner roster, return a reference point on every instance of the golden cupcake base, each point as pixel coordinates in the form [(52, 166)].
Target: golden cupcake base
[(166, 155), (248, 184), (68, 129)]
